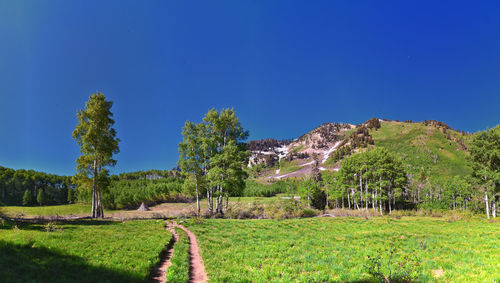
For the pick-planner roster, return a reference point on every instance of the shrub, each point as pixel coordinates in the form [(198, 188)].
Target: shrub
[(391, 265), (308, 212)]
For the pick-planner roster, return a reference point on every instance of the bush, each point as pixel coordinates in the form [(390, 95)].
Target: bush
[(308, 212), (391, 265)]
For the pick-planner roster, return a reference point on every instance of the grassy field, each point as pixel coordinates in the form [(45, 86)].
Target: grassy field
[(67, 209), (337, 249), (83, 251), (161, 210)]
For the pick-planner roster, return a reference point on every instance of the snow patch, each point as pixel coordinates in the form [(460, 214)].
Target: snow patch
[(327, 153)]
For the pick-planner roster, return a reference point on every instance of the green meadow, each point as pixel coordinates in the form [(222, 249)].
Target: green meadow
[(337, 249), (80, 251)]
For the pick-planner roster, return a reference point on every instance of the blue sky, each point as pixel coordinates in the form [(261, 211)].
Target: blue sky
[(285, 66)]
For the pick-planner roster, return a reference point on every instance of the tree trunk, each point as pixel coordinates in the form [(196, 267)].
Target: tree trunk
[(486, 202), (380, 202), (360, 189), (227, 201), (373, 200), (197, 201), (366, 194), (94, 190), (342, 201), (348, 201), (354, 200), (210, 203), (308, 197), (327, 196), (494, 208)]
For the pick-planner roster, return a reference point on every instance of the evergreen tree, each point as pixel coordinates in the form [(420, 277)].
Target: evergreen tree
[(27, 198), (40, 198)]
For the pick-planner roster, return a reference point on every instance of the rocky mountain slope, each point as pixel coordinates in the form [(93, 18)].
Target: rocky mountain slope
[(429, 145)]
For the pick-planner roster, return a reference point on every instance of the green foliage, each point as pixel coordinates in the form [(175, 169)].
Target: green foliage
[(214, 153), (71, 196), (131, 193), (336, 249), (98, 142), (80, 251), (391, 265), (40, 197), (27, 198), (255, 189), (179, 270), (485, 162), (14, 183)]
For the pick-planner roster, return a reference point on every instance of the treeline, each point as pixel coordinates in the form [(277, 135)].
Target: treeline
[(378, 180), (30, 185), (130, 193), (266, 144), (127, 190), (146, 175)]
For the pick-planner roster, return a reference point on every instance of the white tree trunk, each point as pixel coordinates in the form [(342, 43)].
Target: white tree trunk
[(494, 208), (486, 202), (197, 200)]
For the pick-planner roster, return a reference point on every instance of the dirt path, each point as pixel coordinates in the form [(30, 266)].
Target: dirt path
[(197, 268), (160, 272)]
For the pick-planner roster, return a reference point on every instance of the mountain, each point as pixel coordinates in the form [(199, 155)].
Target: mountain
[(431, 146)]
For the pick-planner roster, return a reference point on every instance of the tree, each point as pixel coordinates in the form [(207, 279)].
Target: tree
[(485, 162), (27, 198), (98, 142), (40, 198), (71, 197), (192, 156)]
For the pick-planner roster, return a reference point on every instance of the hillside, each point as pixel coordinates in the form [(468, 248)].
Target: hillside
[(429, 145)]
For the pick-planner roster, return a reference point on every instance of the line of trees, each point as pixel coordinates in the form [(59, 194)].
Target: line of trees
[(24, 186), (213, 154)]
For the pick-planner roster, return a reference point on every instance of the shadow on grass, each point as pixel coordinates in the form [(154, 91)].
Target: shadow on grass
[(26, 263), (8, 224)]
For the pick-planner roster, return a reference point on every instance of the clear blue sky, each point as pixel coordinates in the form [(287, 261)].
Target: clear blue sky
[(285, 66)]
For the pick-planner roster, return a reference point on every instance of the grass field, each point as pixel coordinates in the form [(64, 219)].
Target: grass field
[(326, 249), (83, 251), (67, 209)]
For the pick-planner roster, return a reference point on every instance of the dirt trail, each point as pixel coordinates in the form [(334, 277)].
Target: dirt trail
[(160, 272), (197, 268)]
